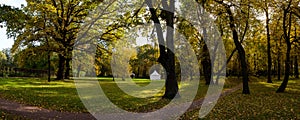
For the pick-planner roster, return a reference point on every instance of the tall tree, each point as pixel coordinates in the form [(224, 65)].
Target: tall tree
[(286, 26), (266, 10), (166, 47), (239, 47), (63, 20)]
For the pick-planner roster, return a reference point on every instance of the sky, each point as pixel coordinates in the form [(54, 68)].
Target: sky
[(4, 42), (7, 43)]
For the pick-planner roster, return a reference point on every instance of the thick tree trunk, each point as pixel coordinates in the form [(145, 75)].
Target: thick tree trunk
[(166, 58), (68, 68), (206, 64), (61, 67), (206, 61), (171, 82), (144, 72)]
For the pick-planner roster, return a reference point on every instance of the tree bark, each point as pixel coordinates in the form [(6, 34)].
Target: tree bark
[(167, 57), (286, 72), (286, 31), (206, 61), (68, 68), (239, 47), (206, 64), (241, 52), (291, 64), (296, 68), (49, 66), (279, 60), (61, 67), (171, 82), (269, 45)]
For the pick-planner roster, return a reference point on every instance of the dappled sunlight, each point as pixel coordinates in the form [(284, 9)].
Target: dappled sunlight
[(62, 95), (262, 103), (56, 95)]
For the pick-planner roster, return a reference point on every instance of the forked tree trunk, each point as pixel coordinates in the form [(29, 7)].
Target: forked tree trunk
[(241, 51), (171, 82), (167, 57)]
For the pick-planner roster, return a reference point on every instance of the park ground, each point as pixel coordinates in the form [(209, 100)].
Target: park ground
[(61, 96)]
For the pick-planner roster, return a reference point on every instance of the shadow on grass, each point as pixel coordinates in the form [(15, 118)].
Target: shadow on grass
[(62, 95), (262, 103)]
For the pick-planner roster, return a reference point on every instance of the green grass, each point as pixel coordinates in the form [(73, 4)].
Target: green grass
[(62, 95), (57, 95), (262, 103)]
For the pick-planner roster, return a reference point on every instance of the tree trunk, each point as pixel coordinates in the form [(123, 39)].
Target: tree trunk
[(206, 61), (279, 60), (291, 68), (269, 46), (279, 67), (49, 67), (287, 31), (296, 68), (287, 71), (171, 82), (138, 72), (68, 68), (144, 72), (241, 52), (206, 64), (166, 58), (61, 67)]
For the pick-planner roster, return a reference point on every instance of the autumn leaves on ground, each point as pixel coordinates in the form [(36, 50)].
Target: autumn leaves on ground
[(263, 103), (252, 43)]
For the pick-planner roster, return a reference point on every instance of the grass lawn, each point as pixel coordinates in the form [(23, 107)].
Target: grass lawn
[(56, 95), (262, 103), (62, 95)]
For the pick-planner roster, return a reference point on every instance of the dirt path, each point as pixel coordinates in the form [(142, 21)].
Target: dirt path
[(197, 104), (31, 112)]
